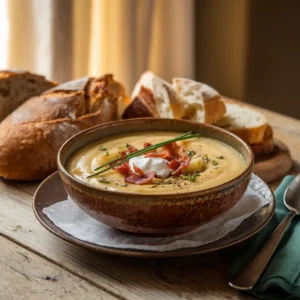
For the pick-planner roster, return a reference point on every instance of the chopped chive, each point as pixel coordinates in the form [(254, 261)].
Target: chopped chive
[(214, 162), (107, 153), (220, 157), (103, 148), (103, 180), (168, 181), (190, 177), (123, 184), (205, 158), (190, 153)]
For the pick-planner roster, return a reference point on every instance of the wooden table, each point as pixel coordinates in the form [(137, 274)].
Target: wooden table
[(35, 264)]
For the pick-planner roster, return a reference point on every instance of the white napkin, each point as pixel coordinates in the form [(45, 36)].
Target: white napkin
[(71, 219)]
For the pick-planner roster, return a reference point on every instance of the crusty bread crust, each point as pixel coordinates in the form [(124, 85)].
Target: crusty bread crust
[(200, 101), (142, 106), (266, 146), (31, 136), (153, 97), (17, 86), (252, 135)]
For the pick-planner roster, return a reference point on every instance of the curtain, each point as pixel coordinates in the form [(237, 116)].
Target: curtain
[(73, 38)]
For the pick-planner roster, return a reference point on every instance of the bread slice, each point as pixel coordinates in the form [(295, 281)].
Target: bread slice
[(153, 97), (201, 102), (266, 146), (17, 86), (245, 122), (31, 136)]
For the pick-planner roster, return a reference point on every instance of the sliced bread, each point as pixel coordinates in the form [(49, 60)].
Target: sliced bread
[(245, 122), (266, 146), (153, 97), (201, 102), (17, 86)]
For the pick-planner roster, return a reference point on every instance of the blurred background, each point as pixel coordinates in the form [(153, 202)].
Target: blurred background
[(246, 49)]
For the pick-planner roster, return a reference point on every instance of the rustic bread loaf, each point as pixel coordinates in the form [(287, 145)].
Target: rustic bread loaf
[(245, 122), (153, 97), (17, 86), (31, 136), (201, 102)]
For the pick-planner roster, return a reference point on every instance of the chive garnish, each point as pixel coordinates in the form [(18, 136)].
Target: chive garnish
[(123, 184), (168, 181), (103, 148), (220, 157), (190, 153), (214, 162), (190, 177), (103, 180), (120, 160), (205, 158), (107, 153)]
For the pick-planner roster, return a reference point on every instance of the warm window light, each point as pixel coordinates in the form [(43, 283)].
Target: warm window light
[(3, 34)]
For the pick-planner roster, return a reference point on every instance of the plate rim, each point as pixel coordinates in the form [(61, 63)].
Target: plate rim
[(135, 252)]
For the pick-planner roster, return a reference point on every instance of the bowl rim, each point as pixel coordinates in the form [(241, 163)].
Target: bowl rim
[(204, 192)]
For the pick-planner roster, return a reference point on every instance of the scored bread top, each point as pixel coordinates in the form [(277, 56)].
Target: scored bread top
[(17, 86)]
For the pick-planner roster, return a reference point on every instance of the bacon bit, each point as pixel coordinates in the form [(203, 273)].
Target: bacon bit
[(146, 145), (184, 162), (157, 154), (138, 179), (123, 153), (138, 170), (131, 149), (173, 164), (123, 169)]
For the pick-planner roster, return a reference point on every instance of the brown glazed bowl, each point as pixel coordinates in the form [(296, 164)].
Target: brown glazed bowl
[(168, 214)]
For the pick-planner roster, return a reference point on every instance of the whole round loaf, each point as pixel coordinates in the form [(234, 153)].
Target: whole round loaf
[(31, 136)]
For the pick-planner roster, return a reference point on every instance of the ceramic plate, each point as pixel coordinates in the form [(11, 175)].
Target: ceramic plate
[(51, 191)]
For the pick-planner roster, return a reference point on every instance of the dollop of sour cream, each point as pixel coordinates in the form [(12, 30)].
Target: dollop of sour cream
[(147, 164)]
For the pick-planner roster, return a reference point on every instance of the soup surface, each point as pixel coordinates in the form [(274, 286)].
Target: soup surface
[(210, 163)]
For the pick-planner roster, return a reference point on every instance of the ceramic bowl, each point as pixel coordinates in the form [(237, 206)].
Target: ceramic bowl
[(168, 214)]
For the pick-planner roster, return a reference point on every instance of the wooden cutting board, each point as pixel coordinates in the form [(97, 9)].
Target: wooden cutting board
[(275, 165)]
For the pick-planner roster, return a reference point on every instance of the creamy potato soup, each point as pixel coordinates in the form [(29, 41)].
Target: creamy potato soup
[(185, 166)]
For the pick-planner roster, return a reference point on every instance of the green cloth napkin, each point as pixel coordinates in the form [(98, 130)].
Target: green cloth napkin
[(281, 279)]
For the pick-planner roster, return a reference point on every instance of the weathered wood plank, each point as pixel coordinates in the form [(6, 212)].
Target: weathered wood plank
[(25, 275), (181, 278)]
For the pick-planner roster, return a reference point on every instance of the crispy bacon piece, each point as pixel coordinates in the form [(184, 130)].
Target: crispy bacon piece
[(146, 145), (173, 164), (138, 179), (135, 178), (157, 154), (123, 153), (123, 169), (184, 162), (138, 171), (131, 149)]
